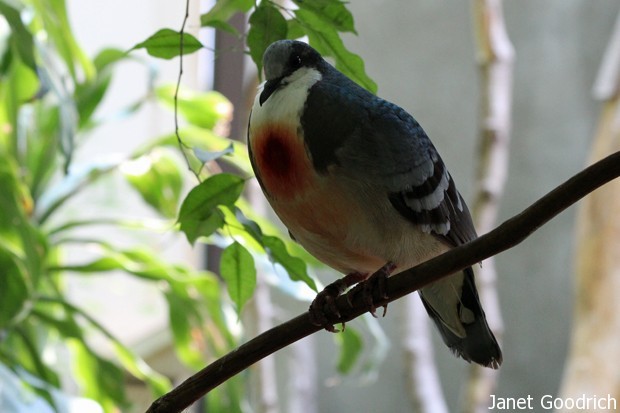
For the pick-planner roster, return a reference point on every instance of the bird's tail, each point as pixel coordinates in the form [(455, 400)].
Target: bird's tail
[(461, 320)]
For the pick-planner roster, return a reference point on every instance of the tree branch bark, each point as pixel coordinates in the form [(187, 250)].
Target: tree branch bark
[(507, 235)]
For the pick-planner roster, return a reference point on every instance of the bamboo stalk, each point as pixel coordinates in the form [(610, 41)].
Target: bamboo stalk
[(590, 369), (495, 58)]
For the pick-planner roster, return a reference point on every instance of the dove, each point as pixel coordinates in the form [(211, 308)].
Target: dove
[(361, 187)]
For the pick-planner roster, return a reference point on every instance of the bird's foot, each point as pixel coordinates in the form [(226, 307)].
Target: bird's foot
[(324, 305), (377, 282)]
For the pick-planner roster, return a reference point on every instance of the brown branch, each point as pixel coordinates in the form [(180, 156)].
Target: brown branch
[(507, 235)]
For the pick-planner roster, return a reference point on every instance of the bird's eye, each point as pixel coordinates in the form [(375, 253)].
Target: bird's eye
[(295, 62)]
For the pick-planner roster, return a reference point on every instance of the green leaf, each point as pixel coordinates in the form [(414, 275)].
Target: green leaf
[(71, 184), (132, 363), (294, 266), (158, 179), (203, 109), (203, 139), (90, 93), (14, 291), (98, 378), (22, 38), (238, 271), (196, 228), (326, 40), (140, 262), (333, 12), (295, 29), (266, 26), (138, 368), (351, 345), (181, 311), (108, 57), (222, 11), (200, 206), (166, 44), (24, 83), (67, 326), (19, 238), (210, 156), (55, 20)]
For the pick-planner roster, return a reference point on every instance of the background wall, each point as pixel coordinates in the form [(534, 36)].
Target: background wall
[(421, 53)]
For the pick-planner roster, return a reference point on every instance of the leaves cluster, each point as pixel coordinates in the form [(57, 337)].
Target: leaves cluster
[(50, 93), (322, 21)]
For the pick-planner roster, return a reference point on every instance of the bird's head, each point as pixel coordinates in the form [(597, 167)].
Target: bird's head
[(285, 61)]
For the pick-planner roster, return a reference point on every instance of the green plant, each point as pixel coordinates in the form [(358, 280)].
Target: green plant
[(50, 91)]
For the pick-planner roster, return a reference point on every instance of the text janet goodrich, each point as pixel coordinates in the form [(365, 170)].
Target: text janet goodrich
[(549, 402)]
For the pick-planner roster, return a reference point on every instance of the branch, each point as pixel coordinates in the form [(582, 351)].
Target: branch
[(507, 235)]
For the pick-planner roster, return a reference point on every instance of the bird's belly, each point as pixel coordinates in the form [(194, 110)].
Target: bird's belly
[(353, 236), (330, 227)]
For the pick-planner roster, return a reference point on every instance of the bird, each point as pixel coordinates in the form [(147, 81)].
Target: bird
[(359, 184)]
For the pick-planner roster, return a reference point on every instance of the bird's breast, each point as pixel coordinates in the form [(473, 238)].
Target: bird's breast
[(281, 160)]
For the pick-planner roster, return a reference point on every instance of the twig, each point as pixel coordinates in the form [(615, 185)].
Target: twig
[(507, 235), (182, 145)]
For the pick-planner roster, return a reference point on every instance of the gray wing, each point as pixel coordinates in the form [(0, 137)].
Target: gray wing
[(425, 193), (385, 145)]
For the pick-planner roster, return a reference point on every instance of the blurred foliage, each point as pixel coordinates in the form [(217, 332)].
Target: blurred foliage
[(50, 92)]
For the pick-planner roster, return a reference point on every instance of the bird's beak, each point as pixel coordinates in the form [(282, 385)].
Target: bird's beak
[(270, 87)]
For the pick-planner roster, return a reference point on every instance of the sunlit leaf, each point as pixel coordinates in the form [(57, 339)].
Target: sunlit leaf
[(23, 243), (203, 109), (14, 292), (57, 28), (200, 205), (66, 326), (238, 271), (90, 92), (266, 26), (25, 82), (333, 12), (181, 311), (351, 345), (326, 40), (77, 179), (138, 368), (166, 44), (210, 156), (222, 11), (99, 379), (22, 37), (108, 57), (294, 266), (158, 179)]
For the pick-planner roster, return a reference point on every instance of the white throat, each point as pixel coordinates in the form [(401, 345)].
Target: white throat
[(286, 103)]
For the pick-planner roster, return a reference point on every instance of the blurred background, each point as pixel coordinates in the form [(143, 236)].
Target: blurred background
[(423, 56)]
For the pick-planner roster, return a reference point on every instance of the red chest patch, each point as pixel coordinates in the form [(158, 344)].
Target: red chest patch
[(281, 160)]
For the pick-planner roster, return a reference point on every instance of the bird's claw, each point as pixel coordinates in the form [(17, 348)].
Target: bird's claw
[(377, 282), (324, 306)]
